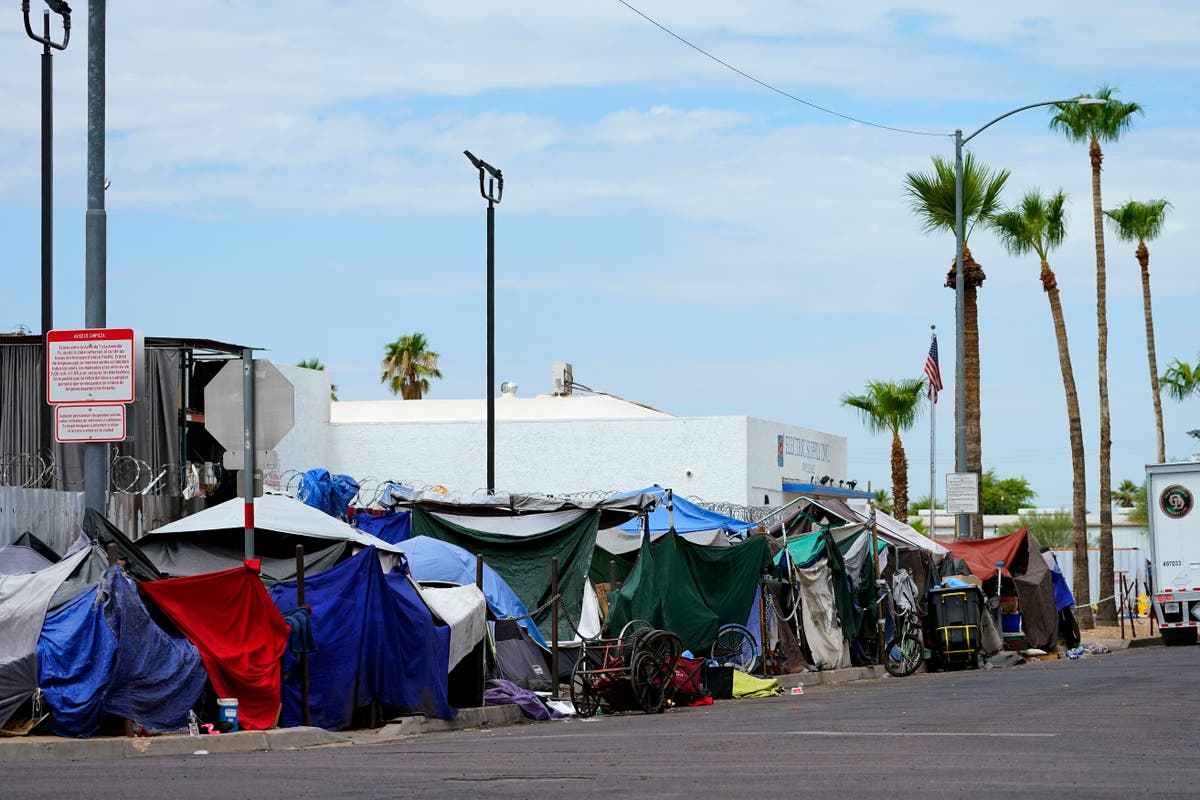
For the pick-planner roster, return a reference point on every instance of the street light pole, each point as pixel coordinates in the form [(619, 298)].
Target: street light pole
[(95, 258), (962, 521), (45, 425), (493, 192)]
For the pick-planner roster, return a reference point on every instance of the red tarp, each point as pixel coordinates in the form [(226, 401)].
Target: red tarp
[(981, 555), (239, 632)]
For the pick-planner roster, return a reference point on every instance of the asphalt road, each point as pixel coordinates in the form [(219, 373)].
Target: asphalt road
[(1122, 725)]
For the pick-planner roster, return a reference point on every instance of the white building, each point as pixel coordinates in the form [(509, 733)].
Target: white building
[(555, 444)]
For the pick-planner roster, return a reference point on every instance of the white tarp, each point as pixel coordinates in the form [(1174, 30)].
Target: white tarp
[(278, 513), (464, 609), (822, 630), (617, 541), (23, 602)]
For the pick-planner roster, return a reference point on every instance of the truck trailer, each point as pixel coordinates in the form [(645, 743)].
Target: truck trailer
[(1171, 493)]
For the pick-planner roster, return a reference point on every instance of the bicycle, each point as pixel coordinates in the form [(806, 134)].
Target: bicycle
[(905, 650)]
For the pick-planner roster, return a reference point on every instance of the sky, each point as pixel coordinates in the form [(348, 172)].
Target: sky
[(290, 176)]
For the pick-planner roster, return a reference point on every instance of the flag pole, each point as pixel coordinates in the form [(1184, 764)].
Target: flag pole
[(932, 442)]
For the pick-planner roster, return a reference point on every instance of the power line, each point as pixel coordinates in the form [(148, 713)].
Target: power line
[(766, 85)]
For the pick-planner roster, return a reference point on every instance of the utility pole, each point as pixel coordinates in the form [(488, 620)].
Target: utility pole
[(95, 454)]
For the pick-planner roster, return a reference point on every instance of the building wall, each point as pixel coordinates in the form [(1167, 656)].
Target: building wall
[(776, 452), (554, 457)]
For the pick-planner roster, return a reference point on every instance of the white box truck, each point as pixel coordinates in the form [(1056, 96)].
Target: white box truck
[(1172, 491)]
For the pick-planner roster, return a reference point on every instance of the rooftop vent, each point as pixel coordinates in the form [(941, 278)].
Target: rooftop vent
[(561, 371)]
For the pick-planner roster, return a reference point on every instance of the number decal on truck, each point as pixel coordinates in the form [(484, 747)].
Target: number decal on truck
[(1172, 563), (1175, 501)]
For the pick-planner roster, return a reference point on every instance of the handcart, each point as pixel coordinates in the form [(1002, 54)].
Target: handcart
[(636, 670), (952, 630)]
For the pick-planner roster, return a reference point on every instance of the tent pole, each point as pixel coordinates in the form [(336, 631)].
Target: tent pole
[(878, 608), (305, 719), (481, 673), (554, 605)]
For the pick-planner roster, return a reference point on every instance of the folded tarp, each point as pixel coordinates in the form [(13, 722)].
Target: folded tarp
[(327, 492), (434, 560), (464, 609), (239, 632), (689, 589), (393, 528), (23, 603), (524, 560), (376, 640), (101, 653)]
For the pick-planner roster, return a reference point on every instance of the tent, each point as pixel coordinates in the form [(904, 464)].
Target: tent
[(213, 539), (376, 641), (240, 635), (521, 549), (694, 523), (434, 560), (690, 589), (23, 603), (102, 653), (834, 512), (1031, 578), (17, 559)]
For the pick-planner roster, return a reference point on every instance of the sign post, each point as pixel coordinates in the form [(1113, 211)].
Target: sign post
[(962, 492)]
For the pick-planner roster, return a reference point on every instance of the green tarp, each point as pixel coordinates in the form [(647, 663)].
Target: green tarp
[(690, 589), (525, 561)]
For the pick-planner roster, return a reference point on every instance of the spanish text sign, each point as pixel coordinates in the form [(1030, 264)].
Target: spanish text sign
[(95, 365)]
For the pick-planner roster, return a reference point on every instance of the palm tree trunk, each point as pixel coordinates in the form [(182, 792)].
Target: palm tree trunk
[(1079, 542), (899, 479), (1108, 608), (971, 363), (1143, 257)]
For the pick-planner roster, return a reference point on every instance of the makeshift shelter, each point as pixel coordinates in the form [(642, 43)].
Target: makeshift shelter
[(690, 589), (431, 559), (23, 603), (101, 653), (47, 552), (672, 513), (16, 559), (521, 549), (376, 640), (240, 635), (1030, 577), (213, 539)]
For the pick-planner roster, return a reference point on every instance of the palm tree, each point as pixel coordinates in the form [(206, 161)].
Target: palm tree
[(1181, 380), (408, 364), (1096, 123), (894, 407), (931, 198), (1138, 222), (315, 363), (1038, 225), (1126, 494)]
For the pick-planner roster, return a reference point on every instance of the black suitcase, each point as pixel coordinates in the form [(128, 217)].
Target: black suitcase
[(952, 626)]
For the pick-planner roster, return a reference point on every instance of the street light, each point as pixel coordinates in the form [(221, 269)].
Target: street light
[(45, 432), (960, 375), (492, 192)]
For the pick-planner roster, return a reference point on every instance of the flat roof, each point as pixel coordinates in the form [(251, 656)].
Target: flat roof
[(541, 407)]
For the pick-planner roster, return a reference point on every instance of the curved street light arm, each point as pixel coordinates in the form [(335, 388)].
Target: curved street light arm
[(1025, 108), (58, 7)]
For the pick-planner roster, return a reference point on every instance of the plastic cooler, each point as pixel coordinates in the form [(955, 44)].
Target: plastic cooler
[(952, 626)]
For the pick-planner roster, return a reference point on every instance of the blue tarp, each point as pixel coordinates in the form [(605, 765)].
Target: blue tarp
[(376, 640), (688, 517), (330, 493), (392, 528), (1063, 598), (433, 560), (103, 653)]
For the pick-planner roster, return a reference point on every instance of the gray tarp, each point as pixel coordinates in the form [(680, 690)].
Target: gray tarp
[(17, 559), (822, 629), (23, 601)]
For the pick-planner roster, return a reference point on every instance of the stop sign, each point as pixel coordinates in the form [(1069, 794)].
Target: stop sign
[(274, 406)]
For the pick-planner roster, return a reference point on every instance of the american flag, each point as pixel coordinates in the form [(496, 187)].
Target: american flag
[(932, 370)]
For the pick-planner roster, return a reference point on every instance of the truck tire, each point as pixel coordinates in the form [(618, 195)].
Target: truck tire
[(1179, 637)]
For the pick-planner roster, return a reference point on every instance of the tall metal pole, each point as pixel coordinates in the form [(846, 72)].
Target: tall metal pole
[(491, 347), (95, 454), (932, 450), (962, 521), (248, 437), (46, 431)]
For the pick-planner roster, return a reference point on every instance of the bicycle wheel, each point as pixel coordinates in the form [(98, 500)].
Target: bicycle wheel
[(583, 689), (648, 677), (904, 652), (735, 645)]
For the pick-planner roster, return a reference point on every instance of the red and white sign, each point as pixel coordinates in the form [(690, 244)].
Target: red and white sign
[(75, 423), (91, 366)]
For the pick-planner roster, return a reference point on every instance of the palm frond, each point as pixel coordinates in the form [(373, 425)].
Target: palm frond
[(1139, 222)]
